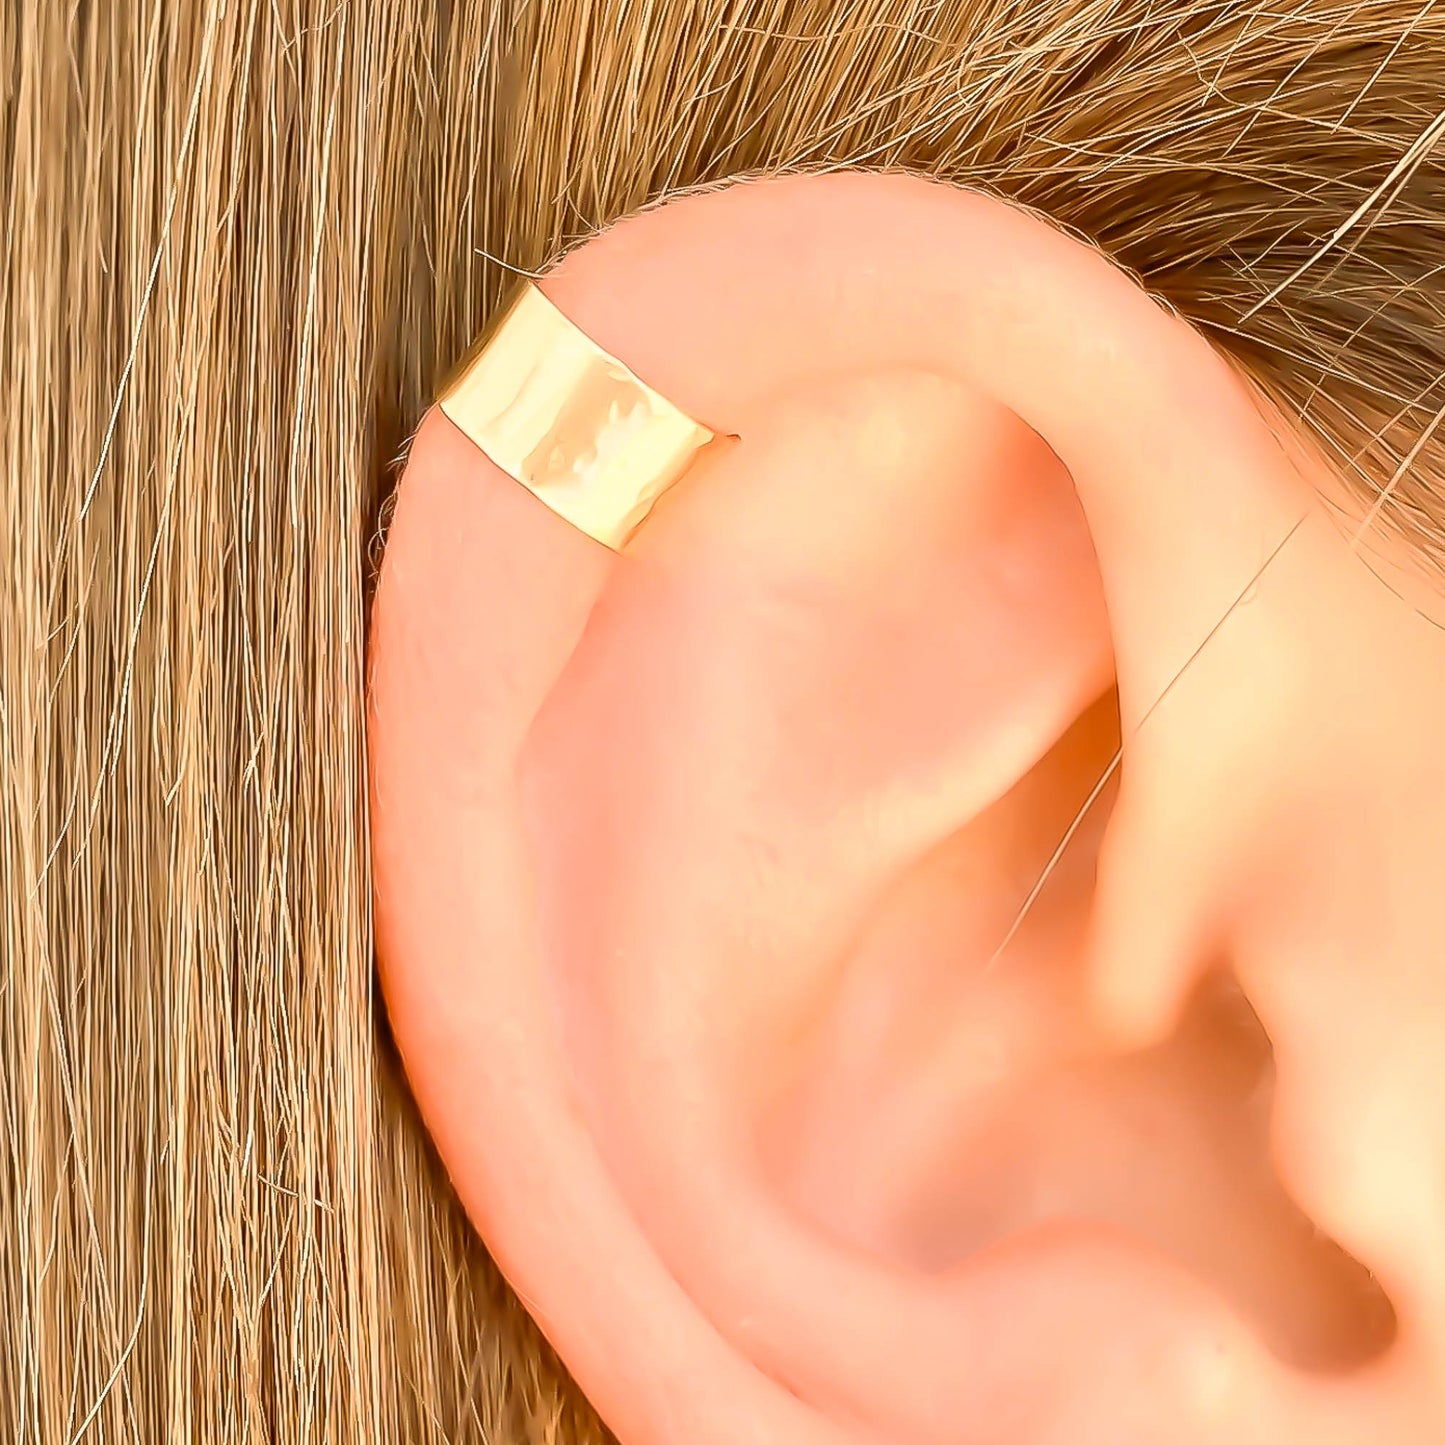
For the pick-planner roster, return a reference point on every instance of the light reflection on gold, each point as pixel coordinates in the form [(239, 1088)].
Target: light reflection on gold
[(568, 421)]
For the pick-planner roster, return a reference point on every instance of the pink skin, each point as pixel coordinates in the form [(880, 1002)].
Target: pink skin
[(690, 864)]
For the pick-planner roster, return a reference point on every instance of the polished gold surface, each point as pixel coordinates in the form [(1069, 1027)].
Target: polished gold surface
[(568, 421)]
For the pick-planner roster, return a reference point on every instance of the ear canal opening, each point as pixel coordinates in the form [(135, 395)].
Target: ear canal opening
[(1317, 1306), (950, 1106)]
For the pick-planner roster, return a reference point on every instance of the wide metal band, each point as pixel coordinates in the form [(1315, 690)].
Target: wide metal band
[(569, 421)]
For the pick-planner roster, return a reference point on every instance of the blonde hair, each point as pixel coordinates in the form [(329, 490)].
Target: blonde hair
[(244, 237)]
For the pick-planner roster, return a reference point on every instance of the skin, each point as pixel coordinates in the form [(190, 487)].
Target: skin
[(691, 863)]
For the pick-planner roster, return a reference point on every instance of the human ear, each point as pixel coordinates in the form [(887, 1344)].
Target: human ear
[(701, 869)]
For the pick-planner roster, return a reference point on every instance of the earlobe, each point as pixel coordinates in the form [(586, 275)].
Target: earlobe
[(690, 863)]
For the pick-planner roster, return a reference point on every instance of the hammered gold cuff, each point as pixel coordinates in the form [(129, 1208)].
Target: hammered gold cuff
[(569, 421)]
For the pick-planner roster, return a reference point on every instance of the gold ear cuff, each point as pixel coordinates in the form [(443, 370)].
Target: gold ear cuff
[(569, 421)]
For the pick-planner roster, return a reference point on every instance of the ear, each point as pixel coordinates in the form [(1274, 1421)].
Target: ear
[(692, 864)]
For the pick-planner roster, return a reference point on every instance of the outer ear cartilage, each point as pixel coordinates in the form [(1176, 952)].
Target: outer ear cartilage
[(569, 421)]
